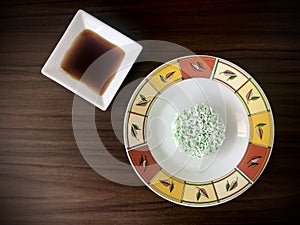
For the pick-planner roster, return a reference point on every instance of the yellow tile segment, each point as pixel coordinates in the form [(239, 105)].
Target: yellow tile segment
[(191, 193), (135, 130), (170, 187), (261, 129), (163, 76), (143, 99), (252, 98), (231, 185), (230, 75)]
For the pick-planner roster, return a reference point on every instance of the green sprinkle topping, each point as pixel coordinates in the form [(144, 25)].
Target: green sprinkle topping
[(198, 131)]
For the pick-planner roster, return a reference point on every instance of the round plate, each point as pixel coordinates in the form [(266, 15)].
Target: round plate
[(241, 104)]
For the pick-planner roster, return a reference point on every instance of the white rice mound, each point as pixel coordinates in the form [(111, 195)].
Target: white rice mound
[(198, 131)]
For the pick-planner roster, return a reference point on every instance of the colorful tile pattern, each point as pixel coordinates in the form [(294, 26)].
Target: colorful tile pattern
[(252, 98), (143, 99), (230, 185), (199, 193), (170, 187), (230, 75), (254, 161), (260, 139), (197, 66), (165, 75), (144, 163), (261, 129), (135, 130)]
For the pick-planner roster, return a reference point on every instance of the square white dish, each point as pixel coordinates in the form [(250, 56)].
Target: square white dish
[(81, 21)]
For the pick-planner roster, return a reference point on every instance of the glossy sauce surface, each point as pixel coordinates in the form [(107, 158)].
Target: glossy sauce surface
[(85, 49)]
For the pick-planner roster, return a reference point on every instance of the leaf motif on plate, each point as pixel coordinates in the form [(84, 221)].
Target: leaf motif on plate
[(254, 161), (250, 97), (136, 126), (227, 186), (254, 164), (134, 130), (260, 124), (167, 77), (232, 185), (254, 98), (162, 78), (197, 66), (143, 97), (198, 195), (259, 130), (144, 163), (143, 102), (168, 184), (165, 183), (171, 187), (231, 77), (201, 192), (141, 159), (228, 73)]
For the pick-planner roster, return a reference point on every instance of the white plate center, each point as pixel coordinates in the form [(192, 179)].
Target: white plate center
[(174, 100)]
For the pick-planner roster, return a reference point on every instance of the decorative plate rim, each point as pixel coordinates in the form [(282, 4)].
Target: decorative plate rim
[(236, 170)]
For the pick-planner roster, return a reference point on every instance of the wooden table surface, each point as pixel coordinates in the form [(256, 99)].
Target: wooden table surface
[(43, 177)]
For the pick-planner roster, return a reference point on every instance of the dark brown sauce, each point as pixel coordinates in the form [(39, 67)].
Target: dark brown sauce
[(86, 48)]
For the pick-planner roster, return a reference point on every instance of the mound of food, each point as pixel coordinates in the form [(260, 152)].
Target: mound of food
[(198, 131)]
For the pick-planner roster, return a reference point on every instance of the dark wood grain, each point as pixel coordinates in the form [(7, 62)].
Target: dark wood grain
[(43, 177)]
